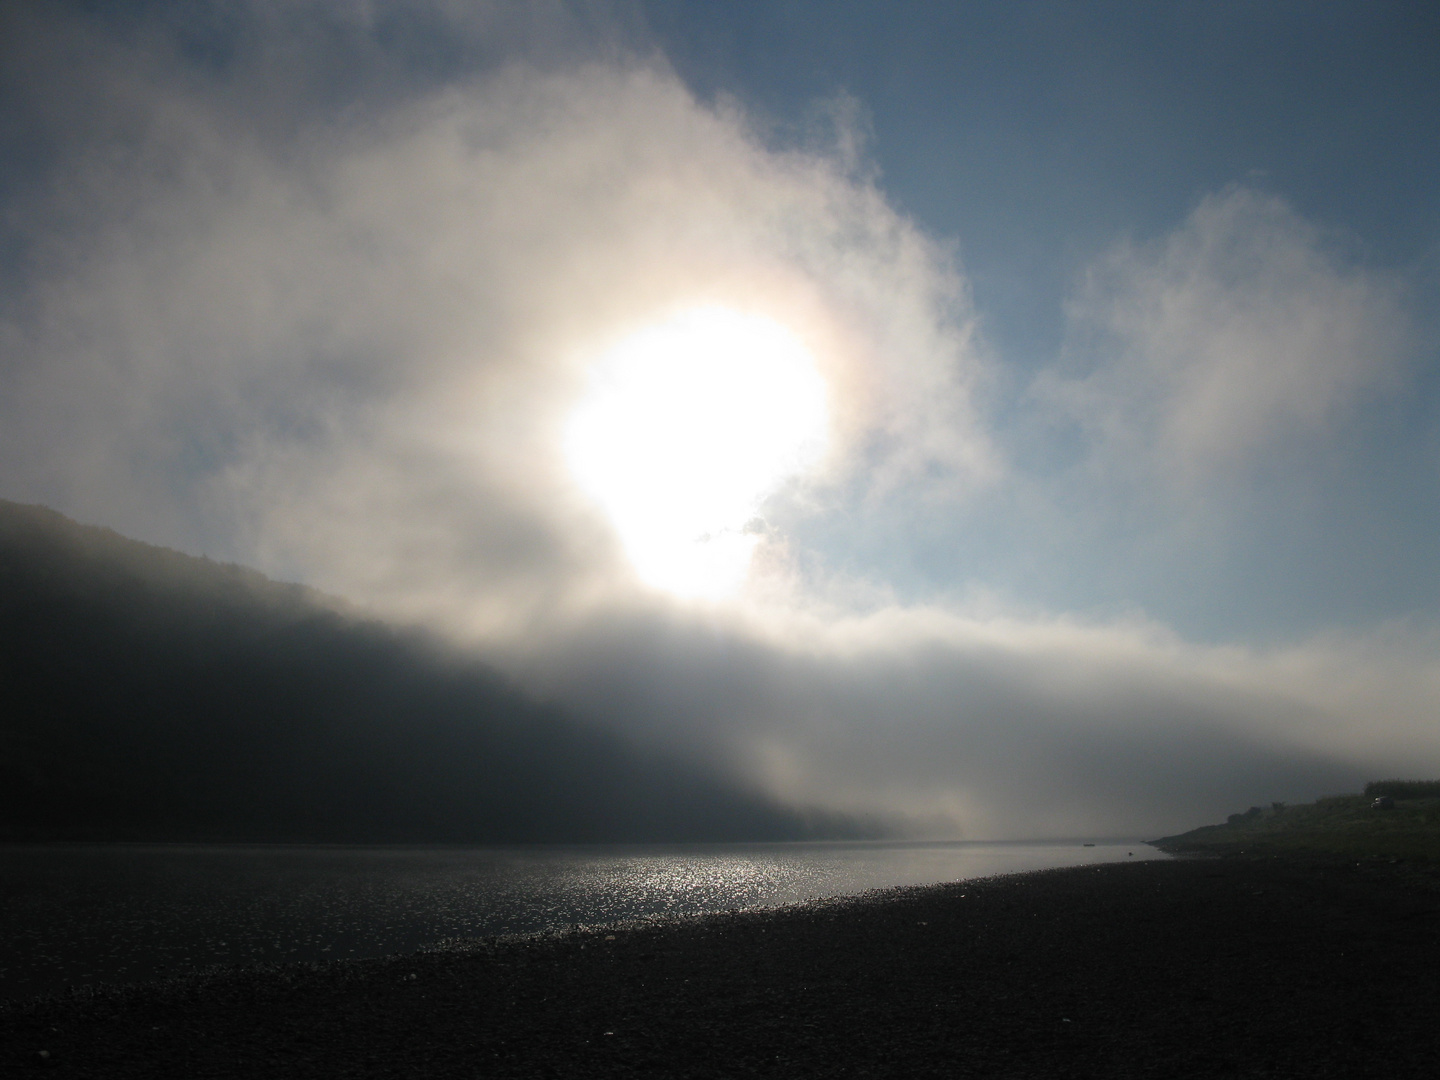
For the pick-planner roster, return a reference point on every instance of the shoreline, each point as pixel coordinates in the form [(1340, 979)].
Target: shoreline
[(1183, 967), (76, 917)]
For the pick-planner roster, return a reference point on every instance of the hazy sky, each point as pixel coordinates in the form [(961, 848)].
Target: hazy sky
[(1024, 417)]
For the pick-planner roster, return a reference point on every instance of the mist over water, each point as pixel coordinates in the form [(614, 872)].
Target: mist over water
[(79, 915)]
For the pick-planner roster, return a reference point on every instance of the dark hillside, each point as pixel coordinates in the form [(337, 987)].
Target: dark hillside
[(146, 694), (1352, 826)]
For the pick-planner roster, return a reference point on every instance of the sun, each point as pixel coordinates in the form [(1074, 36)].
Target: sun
[(688, 425)]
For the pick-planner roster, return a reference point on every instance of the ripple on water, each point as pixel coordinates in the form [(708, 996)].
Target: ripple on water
[(73, 915)]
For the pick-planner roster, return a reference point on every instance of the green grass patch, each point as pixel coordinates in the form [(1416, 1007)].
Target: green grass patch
[(1348, 825)]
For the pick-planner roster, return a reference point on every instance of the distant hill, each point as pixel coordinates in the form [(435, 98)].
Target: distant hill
[(1407, 827), (147, 694)]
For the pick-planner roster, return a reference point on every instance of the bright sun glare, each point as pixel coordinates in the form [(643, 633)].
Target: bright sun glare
[(689, 425)]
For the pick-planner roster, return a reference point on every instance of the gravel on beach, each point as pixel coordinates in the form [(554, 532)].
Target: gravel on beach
[(1234, 967)]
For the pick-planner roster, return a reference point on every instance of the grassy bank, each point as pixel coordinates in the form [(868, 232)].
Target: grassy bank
[(1346, 825)]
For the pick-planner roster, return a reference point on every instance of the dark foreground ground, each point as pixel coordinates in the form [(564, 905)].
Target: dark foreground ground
[(1209, 968)]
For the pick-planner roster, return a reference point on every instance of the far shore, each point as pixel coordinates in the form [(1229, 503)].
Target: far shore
[(1237, 966)]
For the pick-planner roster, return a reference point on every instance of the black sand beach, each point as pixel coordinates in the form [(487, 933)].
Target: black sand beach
[(1231, 967)]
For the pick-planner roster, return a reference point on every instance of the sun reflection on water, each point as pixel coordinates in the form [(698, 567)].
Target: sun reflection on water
[(78, 915)]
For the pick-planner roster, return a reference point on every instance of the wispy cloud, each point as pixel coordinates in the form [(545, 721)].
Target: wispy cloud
[(1241, 330)]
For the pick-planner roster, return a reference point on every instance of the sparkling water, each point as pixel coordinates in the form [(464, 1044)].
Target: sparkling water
[(72, 915)]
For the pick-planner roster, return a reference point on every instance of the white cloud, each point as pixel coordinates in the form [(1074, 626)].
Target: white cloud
[(1240, 331)]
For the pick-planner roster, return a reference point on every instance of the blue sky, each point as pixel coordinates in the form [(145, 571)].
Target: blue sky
[(1122, 482), (1036, 133)]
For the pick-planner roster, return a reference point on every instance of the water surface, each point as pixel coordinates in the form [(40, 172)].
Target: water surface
[(74, 915)]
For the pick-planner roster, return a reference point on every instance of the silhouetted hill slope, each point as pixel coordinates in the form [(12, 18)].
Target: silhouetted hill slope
[(148, 694), (1407, 826)]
